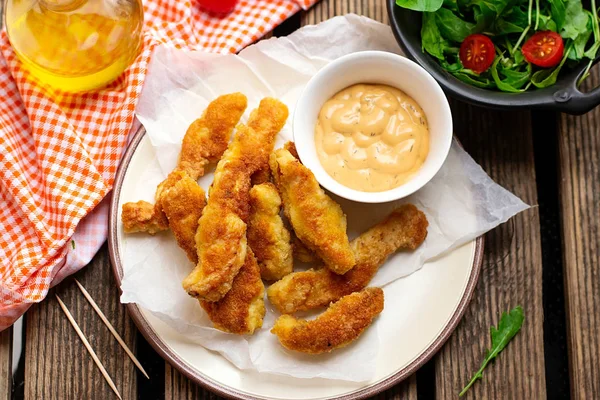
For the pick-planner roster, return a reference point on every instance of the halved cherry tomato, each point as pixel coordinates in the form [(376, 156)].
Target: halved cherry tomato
[(477, 53), (544, 49), (218, 6)]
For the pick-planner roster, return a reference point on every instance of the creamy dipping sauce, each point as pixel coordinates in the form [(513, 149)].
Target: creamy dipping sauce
[(371, 138)]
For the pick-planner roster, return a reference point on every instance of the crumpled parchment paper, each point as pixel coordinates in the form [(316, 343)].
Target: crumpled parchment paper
[(461, 202)]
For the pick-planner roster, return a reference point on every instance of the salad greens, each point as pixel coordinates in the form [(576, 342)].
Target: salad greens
[(509, 24), (509, 325)]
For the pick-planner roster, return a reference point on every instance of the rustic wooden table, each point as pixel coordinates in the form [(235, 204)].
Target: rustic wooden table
[(546, 259)]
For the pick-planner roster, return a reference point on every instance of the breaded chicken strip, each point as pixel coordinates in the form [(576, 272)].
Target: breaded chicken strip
[(404, 228), (204, 142), (318, 221), (141, 217), (242, 309), (221, 235), (267, 235), (263, 175), (301, 252), (291, 147), (342, 323), (183, 204)]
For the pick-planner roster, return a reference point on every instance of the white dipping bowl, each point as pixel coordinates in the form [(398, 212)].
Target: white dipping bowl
[(375, 67)]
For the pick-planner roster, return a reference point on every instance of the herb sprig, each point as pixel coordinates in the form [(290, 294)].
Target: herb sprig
[(509, 325)]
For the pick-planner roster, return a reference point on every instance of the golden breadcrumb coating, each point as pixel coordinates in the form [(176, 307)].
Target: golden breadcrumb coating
[(207, 137), (205, 141), (291, 147), (263, 175), (404, 228), (242, 309), (301, 252), (267, 235), (221, 235), (141, 217), (183, 204), (341, 324), (318, 221)]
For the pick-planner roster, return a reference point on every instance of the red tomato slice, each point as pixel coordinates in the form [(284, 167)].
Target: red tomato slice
[(218, 6), (544, 49), (477, 53)]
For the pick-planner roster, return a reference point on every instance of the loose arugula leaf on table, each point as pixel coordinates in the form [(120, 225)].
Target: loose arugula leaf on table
[(420, 5), (509, 325), (452, 27)]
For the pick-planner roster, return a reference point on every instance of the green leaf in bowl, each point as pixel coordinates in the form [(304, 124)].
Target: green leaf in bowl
[(420, 5)]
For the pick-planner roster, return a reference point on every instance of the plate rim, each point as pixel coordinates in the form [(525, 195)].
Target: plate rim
[(216, 387)]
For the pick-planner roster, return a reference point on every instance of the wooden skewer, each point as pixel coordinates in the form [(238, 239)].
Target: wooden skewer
[(88, 347), (111, 328)]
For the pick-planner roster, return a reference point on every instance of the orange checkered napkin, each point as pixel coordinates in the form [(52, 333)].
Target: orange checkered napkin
[(59, 152)]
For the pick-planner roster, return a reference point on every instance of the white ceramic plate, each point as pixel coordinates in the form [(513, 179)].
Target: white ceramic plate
[(435, 296)]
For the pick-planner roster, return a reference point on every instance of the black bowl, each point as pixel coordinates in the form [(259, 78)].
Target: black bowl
[(563, 96)]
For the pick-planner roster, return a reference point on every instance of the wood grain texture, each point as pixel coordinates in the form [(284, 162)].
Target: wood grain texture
[(57, 365), (178, 387), (325, 9), (5, 360), (579, 173), (501, 143)]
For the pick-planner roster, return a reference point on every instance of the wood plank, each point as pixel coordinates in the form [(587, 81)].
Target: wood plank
[(178, 387), (579, 183), (5, 362), (57, 364), (501, 142)]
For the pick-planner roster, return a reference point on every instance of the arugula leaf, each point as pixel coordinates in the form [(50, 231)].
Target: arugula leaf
[(513, 81), (453, 27), (547, 77), (578, 49), (509, 325), (451, 67), (73, 244), (558, 13), (576, 20), (420, 5), (546, 23), (452, 5), (431, 39), (474, 80), (504, 27)]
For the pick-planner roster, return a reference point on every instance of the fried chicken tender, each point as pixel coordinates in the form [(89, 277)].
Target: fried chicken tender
[(341, 324), (183, 205), (267, 235), (404, 228), (301, 253), (204, 142), (221, 236), (318, 221), (242, 309), (261, 176), (291, 147), (141, 217)]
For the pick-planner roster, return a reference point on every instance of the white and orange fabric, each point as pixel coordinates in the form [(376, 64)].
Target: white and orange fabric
[(59, 152)]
